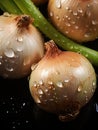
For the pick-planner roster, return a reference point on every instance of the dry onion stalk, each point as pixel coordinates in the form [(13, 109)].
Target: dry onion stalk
[(21, 45), (62, 82), (77, 19)]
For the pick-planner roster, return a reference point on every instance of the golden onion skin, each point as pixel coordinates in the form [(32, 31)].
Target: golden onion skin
[(62, 82), (77, 19)]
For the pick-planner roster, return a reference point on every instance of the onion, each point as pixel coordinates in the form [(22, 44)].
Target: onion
[(77, 19), (21, 45), (62, 82)]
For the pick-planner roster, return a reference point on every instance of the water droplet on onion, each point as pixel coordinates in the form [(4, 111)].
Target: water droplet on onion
[(40, 91), (58, 3), (9, 53), (79, 88), (19, 39), (59, 84)]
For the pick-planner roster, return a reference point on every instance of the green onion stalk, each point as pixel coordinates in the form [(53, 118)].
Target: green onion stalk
[(28, 7)]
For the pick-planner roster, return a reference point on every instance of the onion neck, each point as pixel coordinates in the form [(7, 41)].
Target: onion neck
[(23, 21), (51, 49)]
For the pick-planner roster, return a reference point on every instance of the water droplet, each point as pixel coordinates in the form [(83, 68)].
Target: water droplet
[(86, 99), (19, 47), (86, 35), (19, 39), (35, 84), (75, 13), (46, 90), (86, 55), (79, 88), (88, 5), (94, 83), (6, 14), (13, 127), (59, 84), (80, 10), (51, 14), (24, 104), (71, 47), (9, 69), (37, 99), (65, 96), (27, 121), (41, 82), (66, 32), (66, 80), (68, 24), (70, 11), (11, 98), (50, 82), (96, 105), (85, 92), (7, 111), (76, 27), (67, 8), (57, 17), (73, 22), (26, 61), (9, 53), (94, 22), (88, 13), (40, 91), (58, 3), (51, 99), (53, 89)]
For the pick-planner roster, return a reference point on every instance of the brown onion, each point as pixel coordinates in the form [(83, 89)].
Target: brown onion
[(62, 82), (21, 45), (77, 19)]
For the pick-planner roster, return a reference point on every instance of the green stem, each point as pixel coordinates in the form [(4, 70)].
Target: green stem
[(9, 6), (27, 7)]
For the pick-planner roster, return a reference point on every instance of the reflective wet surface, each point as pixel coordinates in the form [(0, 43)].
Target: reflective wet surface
[(18, 110)]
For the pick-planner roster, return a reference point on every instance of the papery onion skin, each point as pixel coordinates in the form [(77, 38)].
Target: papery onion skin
[(21, 45), (62, 82), (77, 19)]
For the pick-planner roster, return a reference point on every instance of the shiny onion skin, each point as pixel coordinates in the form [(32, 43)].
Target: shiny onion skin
[(62, 82), (39, 2), (77, 19), (21, 45)]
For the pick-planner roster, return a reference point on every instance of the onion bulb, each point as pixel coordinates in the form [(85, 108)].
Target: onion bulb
[(76, 19), (62, 82), (21, 45)]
